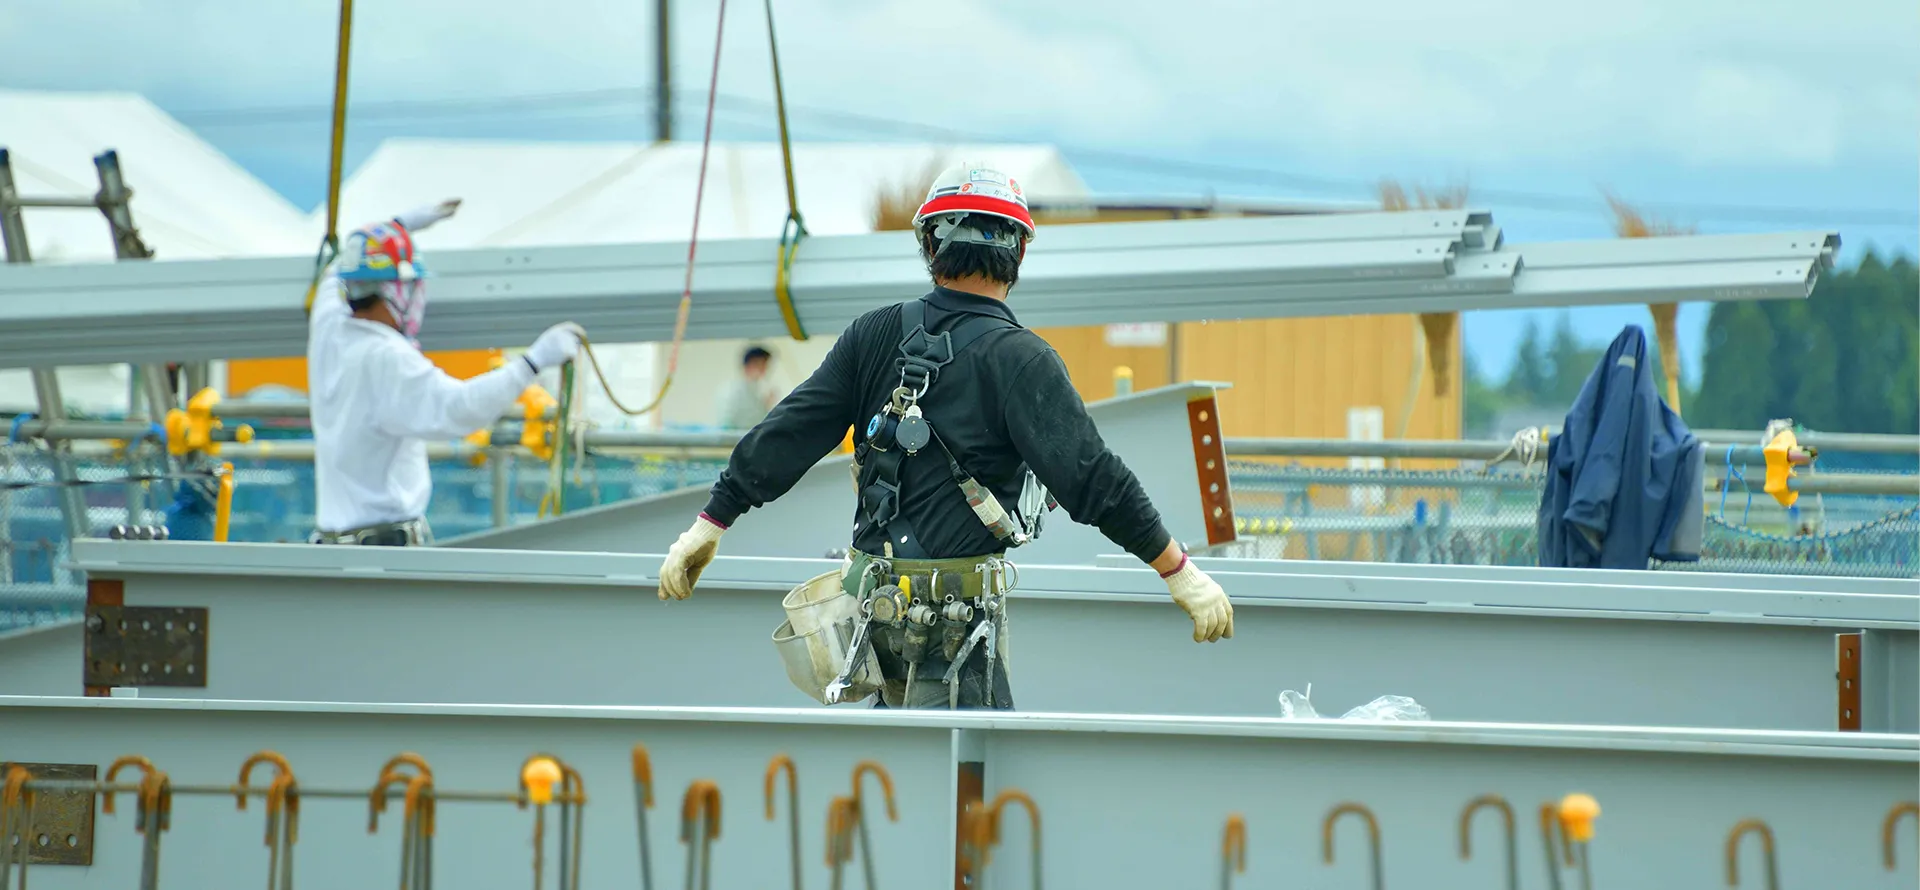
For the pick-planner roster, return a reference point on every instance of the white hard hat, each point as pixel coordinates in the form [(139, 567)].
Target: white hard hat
[(966, 189)]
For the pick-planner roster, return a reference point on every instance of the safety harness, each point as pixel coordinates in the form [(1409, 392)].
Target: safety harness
[(899, 431)]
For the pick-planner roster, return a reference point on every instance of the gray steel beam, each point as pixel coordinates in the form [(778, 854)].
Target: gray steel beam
[(1153, 431), (1274, 267), (1157, 788), (1521, 645)]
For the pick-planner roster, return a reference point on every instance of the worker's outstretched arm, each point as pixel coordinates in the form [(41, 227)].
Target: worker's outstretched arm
[(1060, 443), (423, 402), (770, 459)]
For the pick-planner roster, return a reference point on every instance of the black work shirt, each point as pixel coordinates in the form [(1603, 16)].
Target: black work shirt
[(1003, 404)]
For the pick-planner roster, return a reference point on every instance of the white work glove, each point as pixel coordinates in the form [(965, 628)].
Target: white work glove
[(556, 346), (1203, 601), (420, 218), (691, 554)]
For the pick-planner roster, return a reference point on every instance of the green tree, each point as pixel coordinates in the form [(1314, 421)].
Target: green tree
[(1846, 359), (1530, 378)]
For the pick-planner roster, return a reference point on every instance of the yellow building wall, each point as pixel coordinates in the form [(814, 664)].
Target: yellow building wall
[(244, 375), (1293, 377)]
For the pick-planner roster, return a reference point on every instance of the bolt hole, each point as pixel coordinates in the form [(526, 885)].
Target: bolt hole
[(1206, 440), (193, 626), (44, 840), (123, 624), (146, 668), (1214, 488), (1203, 417), (1848, 712), (73, 840), (167, 668), (1218, 512), (1210, 465), (123, 667), (190, 669), (1847, 684), (146, 625), (169, 625)]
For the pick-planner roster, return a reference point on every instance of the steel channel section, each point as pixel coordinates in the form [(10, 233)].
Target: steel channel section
[(1150, 431), (1125, 802), (296, 622), (1173, 271)]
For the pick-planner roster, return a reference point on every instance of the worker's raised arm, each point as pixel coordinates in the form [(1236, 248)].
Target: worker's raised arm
[(424, 402), (1050, 427)]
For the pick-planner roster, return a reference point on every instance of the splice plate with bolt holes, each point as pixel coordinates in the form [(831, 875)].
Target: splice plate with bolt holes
[(146, 646), (62, 831)]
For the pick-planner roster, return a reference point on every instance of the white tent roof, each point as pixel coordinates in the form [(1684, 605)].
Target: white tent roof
[(189, 200), (523, 194)]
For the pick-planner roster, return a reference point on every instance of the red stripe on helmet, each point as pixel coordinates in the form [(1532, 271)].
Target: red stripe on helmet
[(978, 204)]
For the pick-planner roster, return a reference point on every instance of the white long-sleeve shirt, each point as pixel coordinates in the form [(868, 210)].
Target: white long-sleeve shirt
[(375, 400)]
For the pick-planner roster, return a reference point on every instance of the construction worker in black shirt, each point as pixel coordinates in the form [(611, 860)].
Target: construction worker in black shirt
[(958, 411)]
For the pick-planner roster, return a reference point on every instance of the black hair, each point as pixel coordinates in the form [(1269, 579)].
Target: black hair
[(756, 352), (997, 264), (362, 296)]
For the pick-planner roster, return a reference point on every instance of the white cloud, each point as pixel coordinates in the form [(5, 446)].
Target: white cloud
[(1470, 82)]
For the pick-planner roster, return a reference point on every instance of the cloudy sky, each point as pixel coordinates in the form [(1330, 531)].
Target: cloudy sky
[(1731, 115)]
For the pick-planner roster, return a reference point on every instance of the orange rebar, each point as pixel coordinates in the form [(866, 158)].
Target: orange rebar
[(1233, 848), (1466, 820), (146, 769), (1893, 820), (1012, 795), (408, 757), (389, 776), (643, 772), (780, 762), (840, 820), (1734, 837), (283, 798), (1552, 828), (1373, 834), (703, 798), (242, 789), (886, 785), (419, 802)]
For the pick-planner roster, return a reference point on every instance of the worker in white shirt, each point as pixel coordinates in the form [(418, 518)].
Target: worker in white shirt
[(376, 399)]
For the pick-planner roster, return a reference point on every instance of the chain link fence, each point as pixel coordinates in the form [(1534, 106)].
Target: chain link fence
[(1470, 517), (1450, 517)]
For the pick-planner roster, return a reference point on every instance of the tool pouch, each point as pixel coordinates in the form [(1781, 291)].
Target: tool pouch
[(818, 636)]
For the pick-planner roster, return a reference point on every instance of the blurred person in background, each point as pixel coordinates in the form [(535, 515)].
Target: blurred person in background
[(748, 397)]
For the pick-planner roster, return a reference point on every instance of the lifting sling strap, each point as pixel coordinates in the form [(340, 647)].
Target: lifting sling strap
[(899, 431)]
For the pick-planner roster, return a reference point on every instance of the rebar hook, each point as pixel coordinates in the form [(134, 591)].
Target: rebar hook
[(1233, 850), (1373, 835), (1499, 803), (989, 827), (642, 800), (861, 769), (701, 808), (1893, 819), (1740, 831), (783, 762)]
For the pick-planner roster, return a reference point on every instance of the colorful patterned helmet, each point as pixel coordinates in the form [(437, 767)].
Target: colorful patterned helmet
[(380, 252)]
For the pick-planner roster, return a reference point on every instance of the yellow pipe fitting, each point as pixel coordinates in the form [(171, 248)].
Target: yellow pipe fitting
[(539, 775), (191, 430), (223, 506), (536, 431), (1780, 454)]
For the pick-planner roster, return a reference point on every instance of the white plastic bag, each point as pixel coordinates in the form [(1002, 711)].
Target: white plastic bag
[(1388, 707), (1299, 706)]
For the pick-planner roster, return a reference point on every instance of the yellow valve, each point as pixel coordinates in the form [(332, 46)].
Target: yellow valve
[(540, 775), (481, 439), (191, 430), (1780, 455), (1577, 812), (536, 431)]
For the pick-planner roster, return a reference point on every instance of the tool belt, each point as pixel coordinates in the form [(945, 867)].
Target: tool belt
[(407, 533), (882, 621)]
